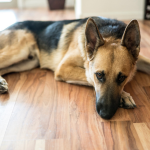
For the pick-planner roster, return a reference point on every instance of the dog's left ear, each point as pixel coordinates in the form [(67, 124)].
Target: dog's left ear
[(93, 38), (131, 38)]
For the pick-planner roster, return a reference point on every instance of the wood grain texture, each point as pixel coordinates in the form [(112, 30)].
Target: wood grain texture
[(41, 113), (121, 136), (143, 131), (40, 144)]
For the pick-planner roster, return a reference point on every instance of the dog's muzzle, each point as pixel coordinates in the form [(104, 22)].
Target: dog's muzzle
[(106, 106)]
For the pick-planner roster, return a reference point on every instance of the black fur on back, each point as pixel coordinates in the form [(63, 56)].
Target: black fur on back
[(47, 34), (110, 27)]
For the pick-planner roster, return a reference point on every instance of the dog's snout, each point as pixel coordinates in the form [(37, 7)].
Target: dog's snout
[(105, 115), (105, 111), (107, 108)]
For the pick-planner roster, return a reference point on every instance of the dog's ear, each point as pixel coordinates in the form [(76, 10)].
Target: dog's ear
[(131, 38), (93, 38)]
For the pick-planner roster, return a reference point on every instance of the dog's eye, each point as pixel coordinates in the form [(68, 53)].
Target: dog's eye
[(100, 76), (121, 79)]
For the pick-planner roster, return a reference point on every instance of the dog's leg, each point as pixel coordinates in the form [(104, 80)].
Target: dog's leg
[(143, 64), (16, 47), (127, 101), (14, 50), (72, 74), (22, 66), (71, 69), (3, 85)]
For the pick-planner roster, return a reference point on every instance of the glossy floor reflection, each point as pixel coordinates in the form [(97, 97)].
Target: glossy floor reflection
[(7, 17)]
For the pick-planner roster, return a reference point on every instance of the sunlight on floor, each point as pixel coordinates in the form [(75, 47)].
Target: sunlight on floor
[(7, 18)]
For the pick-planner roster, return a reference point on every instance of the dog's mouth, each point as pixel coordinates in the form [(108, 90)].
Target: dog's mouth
[(107, 106)]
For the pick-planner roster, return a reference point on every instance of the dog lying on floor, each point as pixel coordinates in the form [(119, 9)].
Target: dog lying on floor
[(96, 51)]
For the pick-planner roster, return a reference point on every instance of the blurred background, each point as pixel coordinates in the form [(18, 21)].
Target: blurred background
[(12, 11)]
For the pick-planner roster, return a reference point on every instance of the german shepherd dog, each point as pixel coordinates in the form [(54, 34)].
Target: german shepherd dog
[(95, 51)]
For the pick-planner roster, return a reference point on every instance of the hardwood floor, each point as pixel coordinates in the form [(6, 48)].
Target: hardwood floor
[(40, 113)]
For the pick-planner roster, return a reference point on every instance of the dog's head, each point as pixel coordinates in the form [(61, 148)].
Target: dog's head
[(111, 64)]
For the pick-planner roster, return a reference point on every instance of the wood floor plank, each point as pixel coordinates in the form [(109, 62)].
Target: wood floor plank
[(142, 79), (40, 97), (142, 112), (121, 136), (144, 34), (58, 144), (147, 91), (8, 101), (40, 144), (84, 127), (18, 145), (21, 111), (143, 131)]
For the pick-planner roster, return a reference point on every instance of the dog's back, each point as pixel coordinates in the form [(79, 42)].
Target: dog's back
[(48, 41), (48, 33)]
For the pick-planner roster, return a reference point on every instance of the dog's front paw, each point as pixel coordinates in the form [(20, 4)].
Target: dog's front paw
[(3, 85), (127, 101)]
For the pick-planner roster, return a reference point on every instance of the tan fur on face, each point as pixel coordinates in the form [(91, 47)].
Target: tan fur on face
[(112, 58)]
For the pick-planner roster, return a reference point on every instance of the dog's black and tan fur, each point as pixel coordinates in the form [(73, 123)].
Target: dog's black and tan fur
[(97, 52)]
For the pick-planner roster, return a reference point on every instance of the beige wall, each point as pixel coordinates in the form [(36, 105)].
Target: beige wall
[(119, 9)]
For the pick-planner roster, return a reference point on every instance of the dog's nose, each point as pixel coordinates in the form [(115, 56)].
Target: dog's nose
[(98, 106), (106, 111), (105, 115)]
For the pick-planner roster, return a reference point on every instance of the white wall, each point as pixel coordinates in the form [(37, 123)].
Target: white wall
[(34, 3), (119, 9), (70, 3)]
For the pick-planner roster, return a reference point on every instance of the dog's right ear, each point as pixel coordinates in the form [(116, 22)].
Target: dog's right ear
[(131, 38), (93, 38)]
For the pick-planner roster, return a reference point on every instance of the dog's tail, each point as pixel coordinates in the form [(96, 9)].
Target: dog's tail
[(143, 64)]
